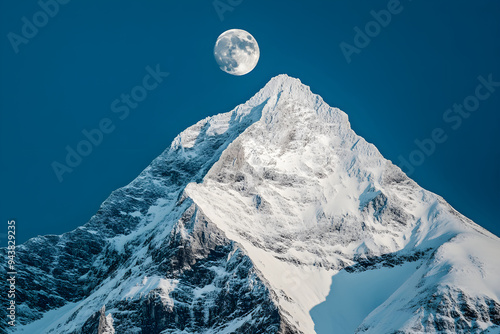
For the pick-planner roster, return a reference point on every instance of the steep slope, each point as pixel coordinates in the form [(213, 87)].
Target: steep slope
[(249, 222)]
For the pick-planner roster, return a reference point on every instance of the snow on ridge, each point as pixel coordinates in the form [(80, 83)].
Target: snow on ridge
[(280, 87), (144, 287)]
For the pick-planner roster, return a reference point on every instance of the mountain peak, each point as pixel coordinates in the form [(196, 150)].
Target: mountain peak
[(273, 99), (273, 217), (282, 81), (286, 87)]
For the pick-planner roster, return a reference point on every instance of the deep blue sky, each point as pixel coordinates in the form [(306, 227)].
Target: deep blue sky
[(395, 91)]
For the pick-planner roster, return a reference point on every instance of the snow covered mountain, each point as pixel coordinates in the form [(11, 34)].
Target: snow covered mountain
[(272, 218)]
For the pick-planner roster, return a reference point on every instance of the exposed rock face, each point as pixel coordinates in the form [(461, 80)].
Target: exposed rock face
[(105, 322), (240, 227)]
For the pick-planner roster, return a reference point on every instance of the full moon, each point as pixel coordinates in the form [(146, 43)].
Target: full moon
[(236, 52)]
